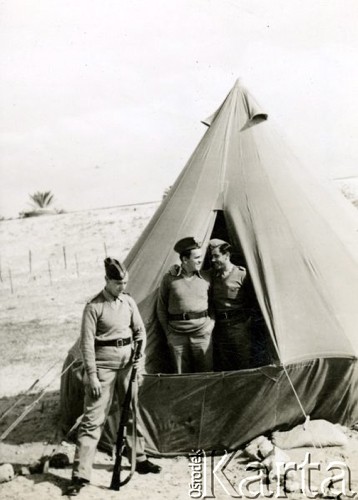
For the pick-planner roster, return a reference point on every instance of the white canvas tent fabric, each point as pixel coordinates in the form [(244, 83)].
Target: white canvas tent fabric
[(299, 243)]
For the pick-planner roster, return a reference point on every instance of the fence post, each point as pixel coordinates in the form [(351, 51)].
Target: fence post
[(64, 256), (77, 268), (105, 249), (30, 261), (11, 284)]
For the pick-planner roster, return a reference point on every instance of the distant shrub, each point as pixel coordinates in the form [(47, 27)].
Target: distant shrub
[(41, 205), (42, 199)]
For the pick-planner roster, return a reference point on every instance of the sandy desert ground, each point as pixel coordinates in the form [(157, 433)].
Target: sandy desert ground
[(49, 266)]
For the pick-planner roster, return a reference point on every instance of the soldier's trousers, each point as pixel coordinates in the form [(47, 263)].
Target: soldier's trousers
[(232, 345), (192, 352), (94, 417)]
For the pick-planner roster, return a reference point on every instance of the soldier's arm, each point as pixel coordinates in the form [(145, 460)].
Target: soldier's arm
[(88, 333), (162, 303)]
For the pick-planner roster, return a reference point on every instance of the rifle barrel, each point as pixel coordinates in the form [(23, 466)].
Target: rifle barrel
[(116, 482)]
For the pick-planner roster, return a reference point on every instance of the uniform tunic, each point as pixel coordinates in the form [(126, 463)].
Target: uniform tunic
[(105, 318), (189, 340), (232, 335)]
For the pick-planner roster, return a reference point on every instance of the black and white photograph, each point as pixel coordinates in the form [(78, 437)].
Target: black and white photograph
[(178, 249)]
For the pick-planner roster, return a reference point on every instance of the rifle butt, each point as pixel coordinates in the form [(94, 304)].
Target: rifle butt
[(116, 481)]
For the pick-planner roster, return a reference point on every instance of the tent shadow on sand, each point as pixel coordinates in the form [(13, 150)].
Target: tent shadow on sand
[(298, 240)]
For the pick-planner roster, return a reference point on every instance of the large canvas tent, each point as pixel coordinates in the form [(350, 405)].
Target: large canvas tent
[(299, 242)]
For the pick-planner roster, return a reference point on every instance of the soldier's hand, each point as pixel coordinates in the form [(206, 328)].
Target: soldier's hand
[(140, 377), (174, 269), (95, 386), (136, 360)]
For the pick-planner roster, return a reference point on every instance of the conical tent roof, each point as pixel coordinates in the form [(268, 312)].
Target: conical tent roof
[(299, 242), (290, 232)]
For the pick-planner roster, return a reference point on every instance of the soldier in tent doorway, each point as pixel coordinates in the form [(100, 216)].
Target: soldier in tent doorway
[(239, 341), (182, 310)]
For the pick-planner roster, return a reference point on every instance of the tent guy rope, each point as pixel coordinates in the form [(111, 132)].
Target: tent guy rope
[(33, 404)]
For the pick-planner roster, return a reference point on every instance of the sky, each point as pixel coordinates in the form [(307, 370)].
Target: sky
[(102, 101)]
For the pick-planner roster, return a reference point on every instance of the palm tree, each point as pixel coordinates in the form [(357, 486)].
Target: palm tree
[(42, 199)]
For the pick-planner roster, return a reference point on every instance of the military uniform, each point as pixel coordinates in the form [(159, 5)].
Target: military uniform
[(111, 323), (189, 337), (182, 310), (232, 334), (228, 295), (109, 327)]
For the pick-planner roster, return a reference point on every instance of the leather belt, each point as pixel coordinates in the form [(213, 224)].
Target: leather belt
[(231, 314), (114, 342), (187, 315)]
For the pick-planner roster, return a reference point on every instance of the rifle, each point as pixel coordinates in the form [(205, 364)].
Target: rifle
[(116, 482)]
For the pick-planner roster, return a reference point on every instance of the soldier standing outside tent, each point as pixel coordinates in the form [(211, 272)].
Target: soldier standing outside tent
[(111, 323), (228, 293), (182, 310)]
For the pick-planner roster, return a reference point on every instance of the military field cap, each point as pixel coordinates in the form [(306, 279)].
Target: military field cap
[(114, 269), (217, 243), (185, 244)]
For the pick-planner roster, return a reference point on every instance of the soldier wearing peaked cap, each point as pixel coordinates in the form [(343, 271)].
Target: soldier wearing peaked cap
[(111, 323), (182, 310), (228, 293), (185, 245)]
